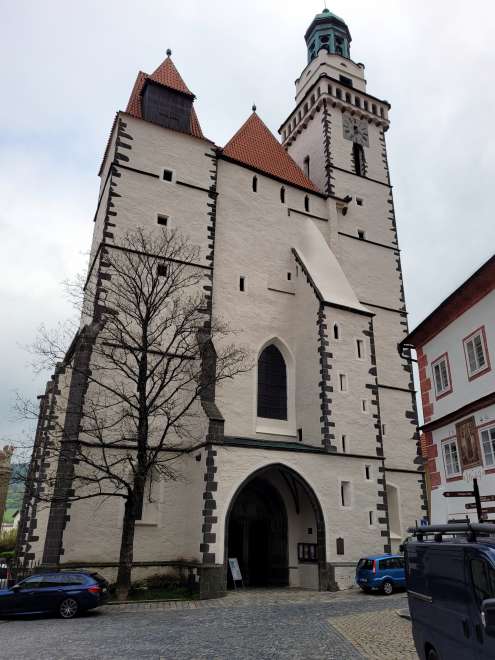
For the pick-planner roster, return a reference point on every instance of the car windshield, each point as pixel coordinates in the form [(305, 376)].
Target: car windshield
[(366, 564)]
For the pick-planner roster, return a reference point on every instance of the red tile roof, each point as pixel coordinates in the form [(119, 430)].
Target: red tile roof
[(168, 76), (254, 145)]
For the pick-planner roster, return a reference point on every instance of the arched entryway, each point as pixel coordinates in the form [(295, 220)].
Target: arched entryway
[(276, 531), (257, 535)]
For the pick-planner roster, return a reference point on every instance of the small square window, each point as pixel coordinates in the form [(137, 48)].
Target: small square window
[(162, 220), (359, 201), (162, 270), (361, 234), (168, 175)]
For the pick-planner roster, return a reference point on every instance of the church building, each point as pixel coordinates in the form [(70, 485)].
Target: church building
[(310, 459)]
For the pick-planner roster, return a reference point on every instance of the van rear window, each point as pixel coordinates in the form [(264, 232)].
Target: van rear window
[(366, 564)]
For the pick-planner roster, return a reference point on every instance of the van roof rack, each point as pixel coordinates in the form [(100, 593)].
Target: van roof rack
[(471, 530)]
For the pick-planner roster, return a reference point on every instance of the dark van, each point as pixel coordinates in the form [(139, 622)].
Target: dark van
[(450, 579)]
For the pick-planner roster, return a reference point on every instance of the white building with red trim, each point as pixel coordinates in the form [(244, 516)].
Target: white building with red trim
[(455, 346)]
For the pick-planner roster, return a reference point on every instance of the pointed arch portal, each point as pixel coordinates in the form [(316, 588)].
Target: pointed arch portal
[(276, 530)]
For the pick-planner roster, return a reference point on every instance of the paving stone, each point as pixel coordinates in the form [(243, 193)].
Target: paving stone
[(248, 625)]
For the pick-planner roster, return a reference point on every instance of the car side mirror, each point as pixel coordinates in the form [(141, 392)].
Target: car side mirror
[(488, 616)]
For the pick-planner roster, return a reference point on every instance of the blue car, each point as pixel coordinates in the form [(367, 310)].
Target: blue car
[(63, 593), (382, 572)]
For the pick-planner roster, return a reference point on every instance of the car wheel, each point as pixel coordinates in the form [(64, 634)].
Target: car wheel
[(68, 608), (388, 588), (432, 655)]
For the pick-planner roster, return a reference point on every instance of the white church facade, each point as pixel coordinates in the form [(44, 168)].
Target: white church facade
[(309, 460)]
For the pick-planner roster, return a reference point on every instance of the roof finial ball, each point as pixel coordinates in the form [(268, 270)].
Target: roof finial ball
[(169, 52), (254, 107)]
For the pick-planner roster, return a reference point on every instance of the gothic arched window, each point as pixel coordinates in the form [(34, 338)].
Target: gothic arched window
[(272, 384), (359, 162)]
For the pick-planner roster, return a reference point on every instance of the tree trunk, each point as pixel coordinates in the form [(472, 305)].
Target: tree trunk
[(126, 551)]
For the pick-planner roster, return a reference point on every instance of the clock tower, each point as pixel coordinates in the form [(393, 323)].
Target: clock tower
[(336, 133)]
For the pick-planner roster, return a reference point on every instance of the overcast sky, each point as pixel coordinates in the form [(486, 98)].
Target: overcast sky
[(67, 66)]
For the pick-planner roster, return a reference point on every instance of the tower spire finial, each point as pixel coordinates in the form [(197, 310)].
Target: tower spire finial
[(169, 52), (253, 107)]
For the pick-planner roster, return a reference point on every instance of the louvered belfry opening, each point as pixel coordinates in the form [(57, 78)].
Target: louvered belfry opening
[(166, 107), (272, 384)]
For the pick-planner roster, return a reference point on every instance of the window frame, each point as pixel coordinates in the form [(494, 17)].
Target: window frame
[(481, 371), (283, 386), (451, 441), (488, 429), (444, 358)]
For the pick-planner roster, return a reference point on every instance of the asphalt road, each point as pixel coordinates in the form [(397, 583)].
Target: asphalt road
[(250, 628)]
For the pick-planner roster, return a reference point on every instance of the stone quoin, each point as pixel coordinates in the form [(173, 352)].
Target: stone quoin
[(308, 460)]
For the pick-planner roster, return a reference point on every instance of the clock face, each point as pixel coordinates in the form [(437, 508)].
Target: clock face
[(356, 130)]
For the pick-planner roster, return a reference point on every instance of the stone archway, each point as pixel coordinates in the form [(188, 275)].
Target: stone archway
[(276, 530)]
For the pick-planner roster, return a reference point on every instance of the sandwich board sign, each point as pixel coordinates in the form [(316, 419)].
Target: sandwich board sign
[(235, 571)]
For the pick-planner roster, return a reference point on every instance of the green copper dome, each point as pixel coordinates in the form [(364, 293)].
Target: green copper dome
[(328, 31)]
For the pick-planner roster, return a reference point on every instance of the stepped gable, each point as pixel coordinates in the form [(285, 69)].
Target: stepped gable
[(168, 76), (255, 145)]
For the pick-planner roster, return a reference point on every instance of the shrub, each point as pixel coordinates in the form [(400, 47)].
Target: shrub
[(7, 540)]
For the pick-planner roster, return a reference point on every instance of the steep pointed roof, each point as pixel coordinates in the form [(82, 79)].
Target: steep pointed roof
[(254, 145), (168, 76)]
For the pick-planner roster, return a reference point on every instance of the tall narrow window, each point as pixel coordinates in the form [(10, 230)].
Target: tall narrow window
[(345, 493), (344, 444), (306, 203), (282, 195), (272, 384), (360, 349), (358, 156), (336, 331), (367, 472), (242, 283), (306, 166), (343, 382), (255, 184)]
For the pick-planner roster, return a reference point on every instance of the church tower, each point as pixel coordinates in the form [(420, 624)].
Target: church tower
[(336, 133), (306, 462)]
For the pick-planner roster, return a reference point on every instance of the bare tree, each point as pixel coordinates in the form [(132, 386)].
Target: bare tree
[(139, 374)]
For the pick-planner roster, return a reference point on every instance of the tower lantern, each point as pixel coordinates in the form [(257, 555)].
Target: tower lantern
[(330, 32)]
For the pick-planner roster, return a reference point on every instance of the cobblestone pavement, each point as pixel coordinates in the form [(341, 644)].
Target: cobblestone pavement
[(261, 624), (378, 635)]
